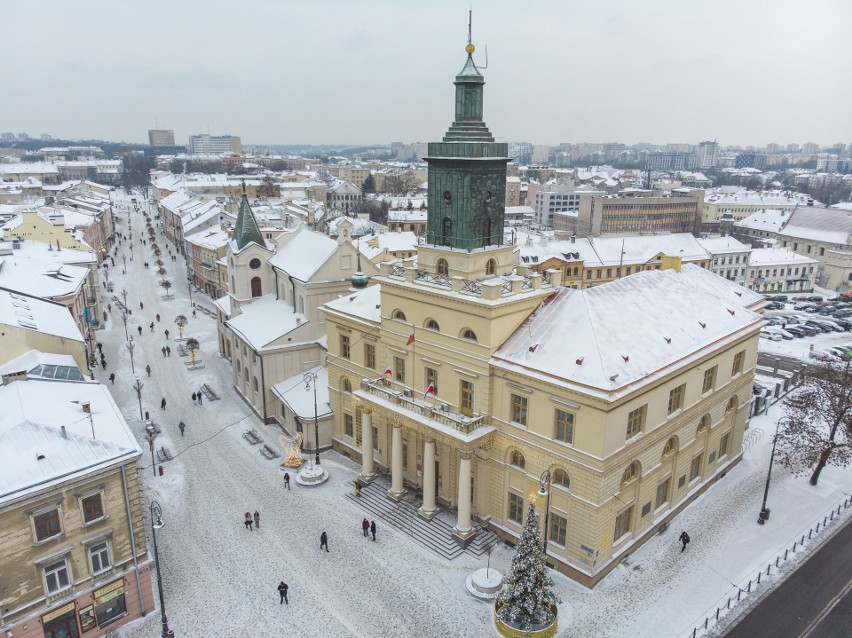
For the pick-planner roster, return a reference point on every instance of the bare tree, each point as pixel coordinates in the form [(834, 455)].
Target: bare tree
[(192, 345), (181, 322), (818, 426), (268, 187), (167, 284), (401, 183)]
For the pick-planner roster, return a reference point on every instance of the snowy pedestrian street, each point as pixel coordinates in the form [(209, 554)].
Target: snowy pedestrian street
[(220, 579)]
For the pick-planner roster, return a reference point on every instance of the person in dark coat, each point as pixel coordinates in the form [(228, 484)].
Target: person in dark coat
[(324, 541), (167, 334), (257, 519), (141, 306), (139, 328), (181, 427), (112, 377), (148, 370), (163, 403), (373, 529), (248, 522), (194, 398), (199, 397), (164, 351), (168, 351), (683, 538), (365, 527), (287, 480), (158, 318), (152, 326), (282, 590)]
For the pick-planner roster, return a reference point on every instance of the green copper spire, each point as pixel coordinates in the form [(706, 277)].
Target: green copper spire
[(247, 229)]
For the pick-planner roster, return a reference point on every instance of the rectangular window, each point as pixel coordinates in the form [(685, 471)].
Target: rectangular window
[(375, 438), (348, 425), (431, 377), (676, 398), (99, 557), (93, 508), (564, 426), (739, 359), (47, 525), (56, 577), (709, 380), (399, 369), (558, 529), (723, 445), (358, 438), (622, 523), (662, 493), (370, 356), (636, 421), (466, 397), (516, 508), (712, 456), (695, 468), (404, 456), (344, 346), (519, 409)]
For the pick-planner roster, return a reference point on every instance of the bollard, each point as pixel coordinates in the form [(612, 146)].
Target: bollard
[(694, 632), (832, 515), (785, 551), (825, 521), (817, 529), (748, 589), (706, 620), (810, 531), (758, 576), (161, 470), (802, 542), (729, 604), (838, 510), (768, 567), (717, 613), (777, 560), (739, 594)]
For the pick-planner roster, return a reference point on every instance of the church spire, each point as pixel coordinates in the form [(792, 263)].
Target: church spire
[(247, 230)]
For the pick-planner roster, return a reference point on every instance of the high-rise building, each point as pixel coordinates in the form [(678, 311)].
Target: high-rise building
[(773, 148), (670, 161), (811, 148), (161, 137), (205, 144), (521, 152), (707, 154)]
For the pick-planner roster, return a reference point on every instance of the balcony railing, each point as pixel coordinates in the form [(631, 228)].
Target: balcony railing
[(435, 409)]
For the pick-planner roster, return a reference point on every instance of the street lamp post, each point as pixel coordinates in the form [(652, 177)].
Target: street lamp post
[(764, 512), (311, 377), (150, 435), (124, 319), (124, 296), (124, 259), (544, 490), (157, 523), (138, 387), (130, 346)]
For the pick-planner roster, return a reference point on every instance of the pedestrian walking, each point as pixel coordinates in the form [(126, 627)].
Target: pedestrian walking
[(287, 480), (167, 333), (248, 522), (193, 313), (112, 377), (194, 398), (100, 347), (151, 326), (373, 529), (282, 590), (139, 328), (257, 519), (357, 488), (163, 403), (199, 398), (365, 527), (181, 427), (148, 369), (109, 307), (324, 541), (103, 363), (158, 318), (168, 351), (683, 538), (164, 351), (141, 306)]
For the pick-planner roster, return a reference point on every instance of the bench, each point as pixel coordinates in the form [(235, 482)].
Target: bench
[(208, 392), (268, 452), (252, 437), (181, 350), (163, 454)]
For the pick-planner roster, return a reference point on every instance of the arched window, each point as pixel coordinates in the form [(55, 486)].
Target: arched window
[(631, 473), (431, 324), (733, 404), (442, 267), (256, 288), (245, 376), (399, 315), (446, 231), (254, 264), (560, 478), (491, 267), (703, 424), (254, 384), (671, 446), (345, 386), (517, 459), (239, 368), (468, 334)]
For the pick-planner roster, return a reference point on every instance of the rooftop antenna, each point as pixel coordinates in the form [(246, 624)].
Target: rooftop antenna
[(470, 48)]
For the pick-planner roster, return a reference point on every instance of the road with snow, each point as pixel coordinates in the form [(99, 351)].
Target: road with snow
[(220, 579)]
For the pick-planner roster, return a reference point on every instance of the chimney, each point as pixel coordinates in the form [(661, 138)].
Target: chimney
[(673, 263), (87, 407), (63, 433)]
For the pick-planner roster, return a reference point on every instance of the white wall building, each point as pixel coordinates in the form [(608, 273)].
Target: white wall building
[(781, 270)]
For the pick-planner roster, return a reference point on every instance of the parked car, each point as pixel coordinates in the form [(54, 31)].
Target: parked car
[(802, 306), (779, 331), (772, 336), (823, 355), (841, 352), (826, 312), (800, 298), (796, 331), (775, 305), (792, 319), (842, 313), (825, 326), (812, 310), (814, 298), (781, 298), (843, 323), (809, 330)]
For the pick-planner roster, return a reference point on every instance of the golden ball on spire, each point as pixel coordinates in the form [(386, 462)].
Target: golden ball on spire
[(469, 49)]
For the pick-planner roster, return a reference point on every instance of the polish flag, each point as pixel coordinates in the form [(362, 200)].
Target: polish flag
[(431, 389), (388, 372), (410, 339)]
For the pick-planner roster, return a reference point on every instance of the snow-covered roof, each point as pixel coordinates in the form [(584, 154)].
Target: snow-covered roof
[(770, 220), (47, 253), (415, 215), (720, 245), (625, 331), (303, 253), (30, 313), (224, 304), (300, 399), (364, 305), (44, 365), (724, 197), (642, 248), (821, 224), (403, 240), (762, 257), (40, 278), (264, 320), (35, 453), (210, 238)]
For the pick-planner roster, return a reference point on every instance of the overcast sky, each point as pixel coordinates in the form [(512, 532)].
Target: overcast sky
[(366, 72)]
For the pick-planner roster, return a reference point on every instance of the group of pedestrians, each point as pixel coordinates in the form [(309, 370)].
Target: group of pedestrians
[(368, 527), (198, 397), (252, 520)]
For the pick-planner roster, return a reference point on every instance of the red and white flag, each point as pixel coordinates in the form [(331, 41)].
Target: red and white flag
[(431, 389), (388, 371), (410, 339)]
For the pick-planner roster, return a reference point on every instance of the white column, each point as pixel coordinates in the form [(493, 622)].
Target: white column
[(397, 491), (368, 469), (463, 527), (428, 509)]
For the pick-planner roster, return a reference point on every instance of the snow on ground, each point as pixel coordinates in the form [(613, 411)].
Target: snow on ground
[(220, 579)]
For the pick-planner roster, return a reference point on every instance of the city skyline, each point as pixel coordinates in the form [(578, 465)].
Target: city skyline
[(564, 73)]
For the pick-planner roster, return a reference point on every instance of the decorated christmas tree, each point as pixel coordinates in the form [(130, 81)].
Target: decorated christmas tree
[(528, 596)]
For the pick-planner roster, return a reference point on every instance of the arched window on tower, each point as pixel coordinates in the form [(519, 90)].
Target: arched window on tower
[(491, 267), (446, 231)]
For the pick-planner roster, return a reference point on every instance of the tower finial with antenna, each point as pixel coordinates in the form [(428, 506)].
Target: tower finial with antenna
[(470, 48)]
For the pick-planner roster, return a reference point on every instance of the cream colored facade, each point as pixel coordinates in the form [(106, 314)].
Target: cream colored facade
[(16, 340), (46, 229)]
